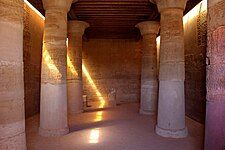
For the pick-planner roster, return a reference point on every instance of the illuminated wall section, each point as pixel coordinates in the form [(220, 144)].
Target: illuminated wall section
[(89, 79), (195, 12), (34, 9), (114, 65), (91, 82), (32, 54), (195, 38), (52, 69)]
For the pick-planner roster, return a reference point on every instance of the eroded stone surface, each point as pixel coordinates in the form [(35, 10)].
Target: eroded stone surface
[(12, 117)]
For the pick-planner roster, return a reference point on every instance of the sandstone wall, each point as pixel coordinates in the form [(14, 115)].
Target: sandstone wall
[(113, 63), (32, 46), (116, 63), (195, 28)]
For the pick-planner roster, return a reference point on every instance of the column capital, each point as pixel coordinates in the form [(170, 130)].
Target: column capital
[(77, 27), (148, 27), (169, 4), (58, 4)]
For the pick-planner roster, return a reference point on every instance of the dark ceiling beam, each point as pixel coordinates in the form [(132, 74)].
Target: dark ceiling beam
[(112, 14), (138, 3), (113, 18), (103, 12), (84, 7)]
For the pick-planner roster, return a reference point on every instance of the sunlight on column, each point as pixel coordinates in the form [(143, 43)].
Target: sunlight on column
[(158, 42), (46, 57), (99, 116), (91, 82), (87, 75), (48, 61), (70, 64), (53, 68), (94, 136), (71, 67)]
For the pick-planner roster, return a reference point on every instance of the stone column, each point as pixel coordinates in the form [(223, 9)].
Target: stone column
[(12, 116), (53, 111), (149, 79), (74, 66), (215, 106), (171, 105)]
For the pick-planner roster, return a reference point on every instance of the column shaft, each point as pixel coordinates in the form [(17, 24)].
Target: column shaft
[(74, 72), (74, 66), (12, 116), (215, 107), (171, 107), (149, 81), (53, 111)]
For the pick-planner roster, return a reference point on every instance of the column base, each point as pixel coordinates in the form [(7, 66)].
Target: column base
[(171, 134), (57, 132), (147, 112)]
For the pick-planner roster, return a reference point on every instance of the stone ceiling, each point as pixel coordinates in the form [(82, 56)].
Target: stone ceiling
[(113, 18)]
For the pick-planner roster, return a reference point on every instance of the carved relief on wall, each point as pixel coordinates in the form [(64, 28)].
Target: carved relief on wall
[(26, 33), (202, 28)]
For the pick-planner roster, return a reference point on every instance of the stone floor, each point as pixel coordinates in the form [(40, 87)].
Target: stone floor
[(120, 128)]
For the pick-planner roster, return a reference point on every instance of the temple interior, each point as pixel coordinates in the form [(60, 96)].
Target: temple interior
[(112, 75)]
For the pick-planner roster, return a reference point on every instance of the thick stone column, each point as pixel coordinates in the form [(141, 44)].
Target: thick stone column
[(53, 111), (171, 105), (12, 116), (74, 66), (215, 107), (149, 79)]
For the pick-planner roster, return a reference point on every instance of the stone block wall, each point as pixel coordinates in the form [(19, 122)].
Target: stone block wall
[(32, 48), (116, 64), (195, 31), (113, 64)]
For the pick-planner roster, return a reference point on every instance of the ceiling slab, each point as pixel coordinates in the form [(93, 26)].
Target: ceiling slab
[(113, 18)]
